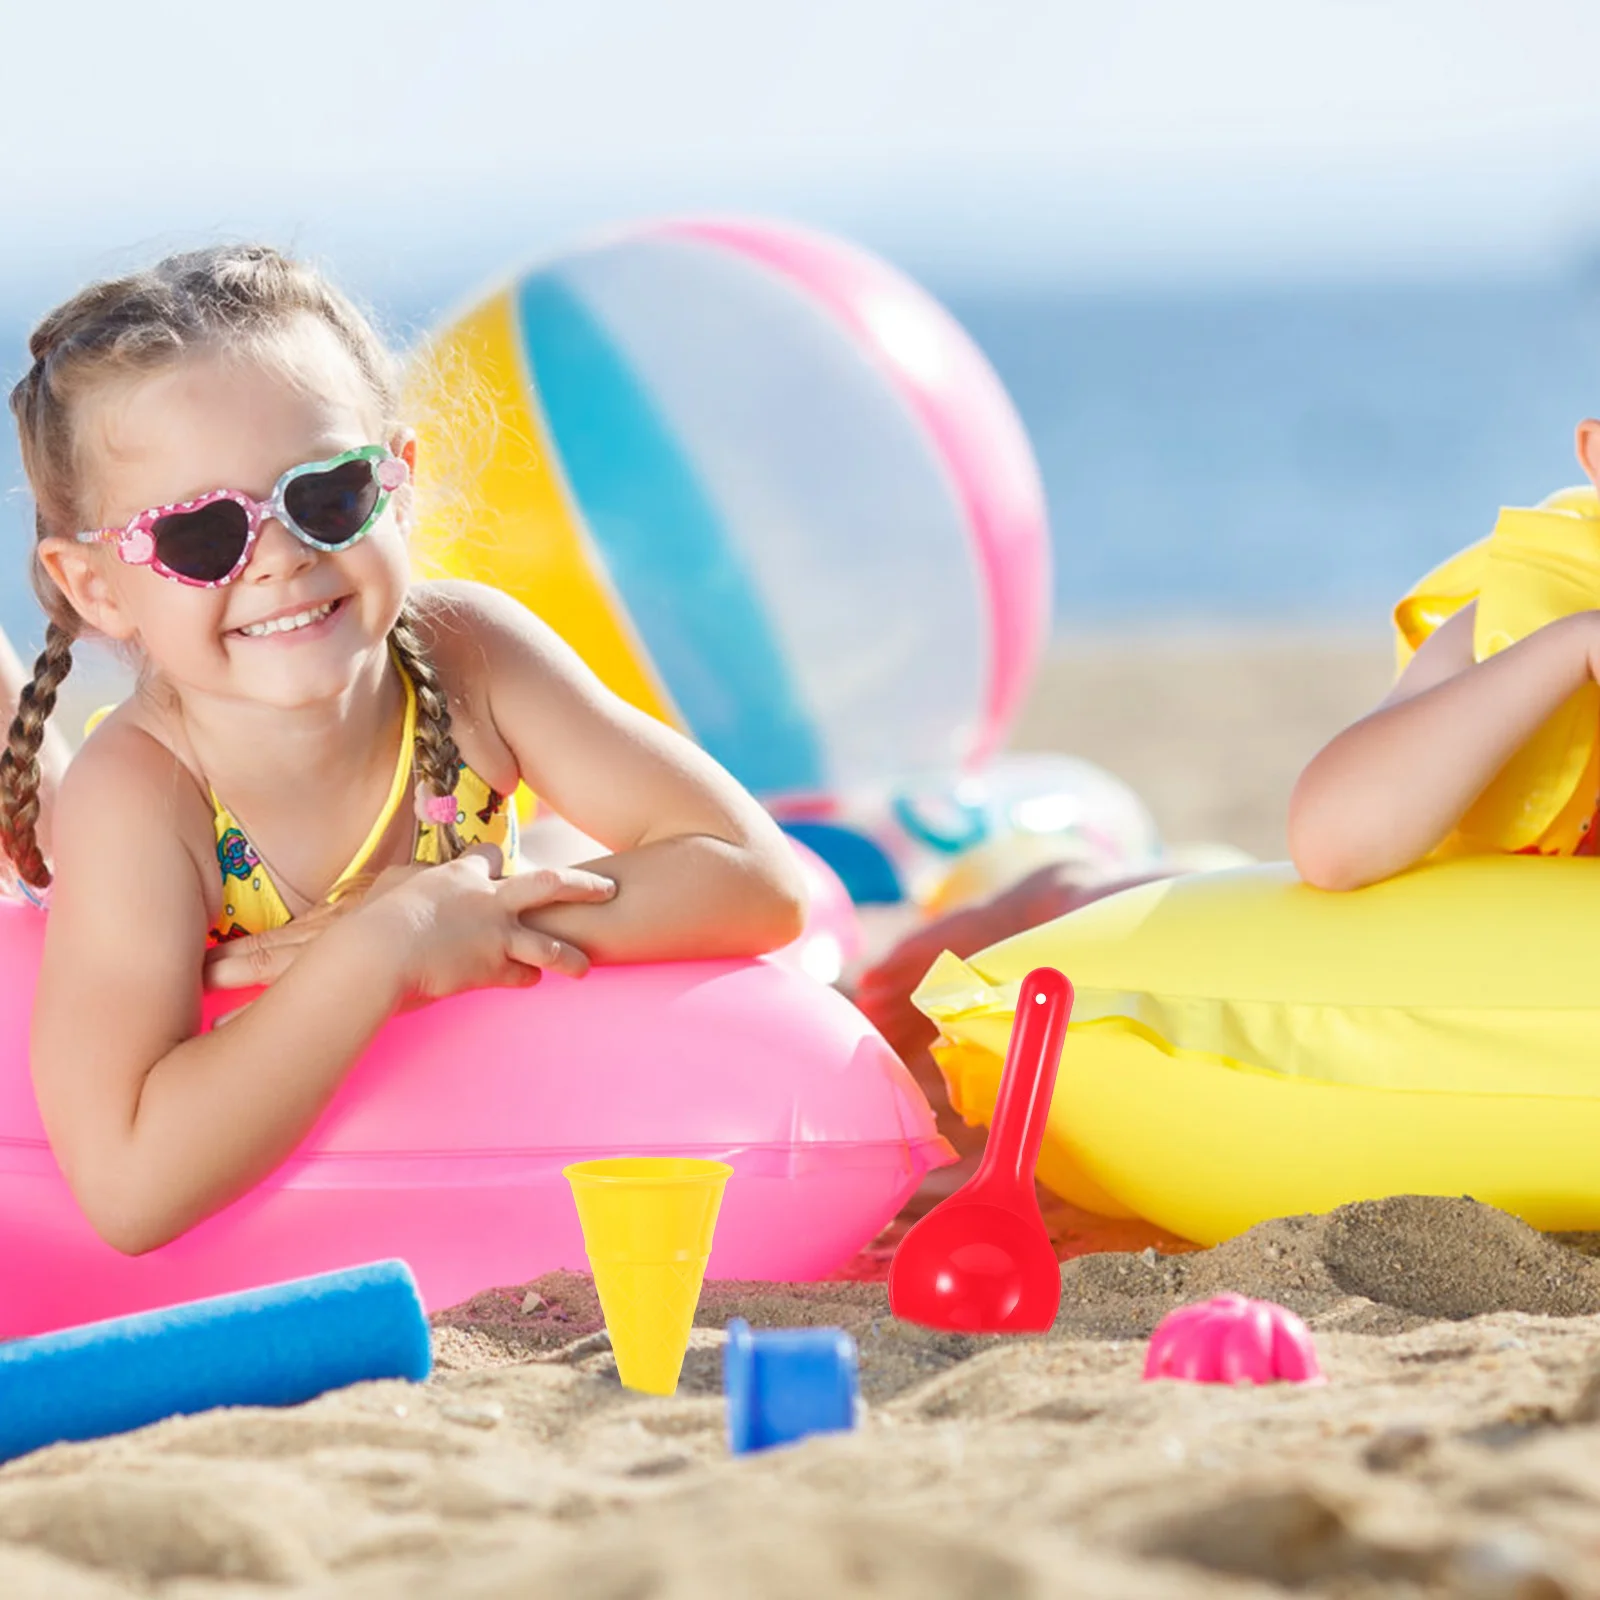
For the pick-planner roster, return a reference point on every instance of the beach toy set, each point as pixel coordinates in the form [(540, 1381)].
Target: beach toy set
[(982, 1261), (648, 1227)]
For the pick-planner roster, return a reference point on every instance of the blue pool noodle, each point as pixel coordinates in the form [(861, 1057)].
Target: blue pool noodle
[(276, 1346)]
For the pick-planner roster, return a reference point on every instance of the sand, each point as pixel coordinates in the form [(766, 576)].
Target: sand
[(1454, 1450), (1210, 728)]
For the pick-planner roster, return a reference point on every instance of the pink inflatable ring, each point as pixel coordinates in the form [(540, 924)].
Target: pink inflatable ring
[(445, 1145)]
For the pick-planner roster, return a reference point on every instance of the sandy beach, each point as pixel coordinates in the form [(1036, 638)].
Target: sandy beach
[(1211, 728), (1452, 1451)]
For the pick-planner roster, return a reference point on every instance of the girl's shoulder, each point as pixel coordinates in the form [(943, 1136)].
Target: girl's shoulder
[(125, 788), (490, 653), (139, 740), (131, 750), (463, 608), (472, 630)]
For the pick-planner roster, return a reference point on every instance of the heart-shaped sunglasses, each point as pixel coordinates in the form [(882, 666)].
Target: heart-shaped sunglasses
[(207, 541)]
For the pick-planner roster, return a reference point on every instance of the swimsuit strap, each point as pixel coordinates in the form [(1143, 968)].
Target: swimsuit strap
[(398, 789)]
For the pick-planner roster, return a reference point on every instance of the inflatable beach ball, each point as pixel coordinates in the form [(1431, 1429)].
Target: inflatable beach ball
[(762, 483)]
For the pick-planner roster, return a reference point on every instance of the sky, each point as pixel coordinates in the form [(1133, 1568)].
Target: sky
[(1006, 140)]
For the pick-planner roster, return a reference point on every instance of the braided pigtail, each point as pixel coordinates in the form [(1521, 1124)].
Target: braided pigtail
[(438, 762), (19, 762)]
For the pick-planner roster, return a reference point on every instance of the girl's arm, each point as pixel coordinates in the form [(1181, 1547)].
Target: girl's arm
[(701, 869), (156, 1125), (1387, 790)]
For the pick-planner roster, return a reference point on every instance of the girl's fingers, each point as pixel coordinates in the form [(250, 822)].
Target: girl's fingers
[(535, 949), (515, 975), (553, 885), (248, 963)]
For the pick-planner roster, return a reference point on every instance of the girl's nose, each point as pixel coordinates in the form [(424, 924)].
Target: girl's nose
[(277, 555)]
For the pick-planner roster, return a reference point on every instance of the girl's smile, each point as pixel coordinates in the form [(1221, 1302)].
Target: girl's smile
[(300, 622)]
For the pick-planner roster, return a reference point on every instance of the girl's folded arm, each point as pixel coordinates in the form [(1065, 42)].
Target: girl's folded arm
[(1389, 789), (701, 869), (155, 1124)]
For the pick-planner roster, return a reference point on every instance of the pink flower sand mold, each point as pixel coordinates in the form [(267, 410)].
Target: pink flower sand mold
[(1233, 1340)]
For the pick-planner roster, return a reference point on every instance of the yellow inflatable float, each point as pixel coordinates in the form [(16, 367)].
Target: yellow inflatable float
[(1245, 1047)]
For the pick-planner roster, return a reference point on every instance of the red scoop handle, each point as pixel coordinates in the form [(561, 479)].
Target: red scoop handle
[(1044, 1006)]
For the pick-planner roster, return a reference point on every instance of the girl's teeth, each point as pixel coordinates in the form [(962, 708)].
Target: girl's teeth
[(301, 619)]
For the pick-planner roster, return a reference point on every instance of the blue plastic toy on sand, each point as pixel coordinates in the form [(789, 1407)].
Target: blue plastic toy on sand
[(275, 1346), (782, 1386)]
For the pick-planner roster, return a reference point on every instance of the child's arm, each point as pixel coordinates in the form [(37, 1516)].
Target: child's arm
[(157, 1126), (1390, 788), (701, 869), (53, 752)]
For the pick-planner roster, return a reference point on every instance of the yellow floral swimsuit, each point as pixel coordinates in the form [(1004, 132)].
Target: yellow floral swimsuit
[(251, 902)]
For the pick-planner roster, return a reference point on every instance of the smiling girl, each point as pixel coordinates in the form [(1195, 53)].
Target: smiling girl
[(223, 483)]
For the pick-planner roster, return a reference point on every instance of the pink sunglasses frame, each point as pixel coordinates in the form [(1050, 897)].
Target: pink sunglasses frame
[(136, 541)]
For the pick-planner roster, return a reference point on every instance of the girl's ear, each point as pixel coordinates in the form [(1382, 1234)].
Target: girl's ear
[(404, 445), (79, 573), (1589, 449)]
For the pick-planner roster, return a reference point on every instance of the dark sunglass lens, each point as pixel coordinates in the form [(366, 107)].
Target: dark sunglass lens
[(204, 545), (332, 507)]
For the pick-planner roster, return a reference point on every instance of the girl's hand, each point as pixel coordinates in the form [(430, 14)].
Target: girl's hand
[(454, 926)]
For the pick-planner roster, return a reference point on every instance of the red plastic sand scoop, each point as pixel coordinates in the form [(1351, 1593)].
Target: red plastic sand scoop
[(981, 1262)]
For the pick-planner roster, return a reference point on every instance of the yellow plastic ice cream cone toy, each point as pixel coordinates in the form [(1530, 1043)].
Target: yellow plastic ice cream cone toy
[(647, 1227)]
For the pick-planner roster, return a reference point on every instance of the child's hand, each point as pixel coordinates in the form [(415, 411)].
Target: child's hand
[(457, 927), (454, 927)]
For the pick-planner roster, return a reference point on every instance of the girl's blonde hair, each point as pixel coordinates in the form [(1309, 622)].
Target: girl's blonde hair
[(233, 297)]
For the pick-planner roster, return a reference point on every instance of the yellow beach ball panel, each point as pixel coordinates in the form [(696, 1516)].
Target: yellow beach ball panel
[(513, 526)]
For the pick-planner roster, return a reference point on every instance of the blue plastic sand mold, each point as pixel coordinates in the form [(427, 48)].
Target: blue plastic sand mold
[(276, 1346), (786, 1384)]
